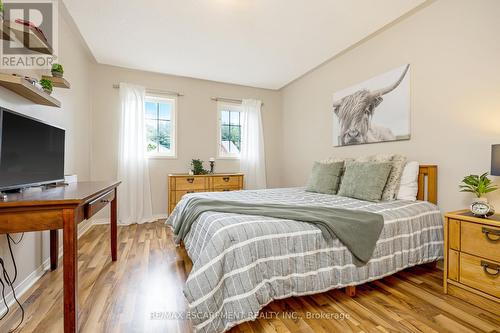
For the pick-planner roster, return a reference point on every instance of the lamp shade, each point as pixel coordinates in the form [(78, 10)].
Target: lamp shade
[(495, 160)]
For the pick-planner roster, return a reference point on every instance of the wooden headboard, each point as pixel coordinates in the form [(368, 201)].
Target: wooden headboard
[(427, 175)]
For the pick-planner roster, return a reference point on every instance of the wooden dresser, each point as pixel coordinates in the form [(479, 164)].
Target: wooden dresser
[(180, 184), (472, 259)]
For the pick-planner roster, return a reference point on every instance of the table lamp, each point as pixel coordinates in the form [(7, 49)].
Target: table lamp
[(495, 160)]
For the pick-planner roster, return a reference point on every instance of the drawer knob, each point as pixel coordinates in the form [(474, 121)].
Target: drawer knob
[(104, 201), (487, 266), (487, 232), (226, 179), (190, 180)]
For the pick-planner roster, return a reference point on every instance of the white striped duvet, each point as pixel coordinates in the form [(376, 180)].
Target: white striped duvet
[(241, 263)]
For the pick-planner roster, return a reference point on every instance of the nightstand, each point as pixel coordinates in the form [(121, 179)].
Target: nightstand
[(472, 259)]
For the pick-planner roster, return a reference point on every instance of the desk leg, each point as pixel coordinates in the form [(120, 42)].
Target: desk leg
[(70, 271), (114, 226), (54, 249)]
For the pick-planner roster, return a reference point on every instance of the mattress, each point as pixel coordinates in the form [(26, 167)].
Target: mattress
[(242, 262)]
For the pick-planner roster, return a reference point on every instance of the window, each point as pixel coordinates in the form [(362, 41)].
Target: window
[(160, 126), (229, 130)]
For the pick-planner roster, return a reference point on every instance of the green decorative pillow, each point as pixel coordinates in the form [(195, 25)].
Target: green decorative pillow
[(325, 177), (365, 180), (394, 180)]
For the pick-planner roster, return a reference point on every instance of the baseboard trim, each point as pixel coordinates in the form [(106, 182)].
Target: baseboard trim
[(26, 284)]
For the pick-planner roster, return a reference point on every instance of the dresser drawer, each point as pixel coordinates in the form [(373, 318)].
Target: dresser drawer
[(227, 189), (226, 182), (96, 205), (190, 183), (179, 194), (480, 240), (180, 184), (480, 274)]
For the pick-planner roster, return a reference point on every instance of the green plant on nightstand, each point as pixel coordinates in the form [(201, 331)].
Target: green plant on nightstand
[(46, 85), (57, 70), (479, 186)]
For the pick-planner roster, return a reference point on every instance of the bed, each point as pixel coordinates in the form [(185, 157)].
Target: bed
[(242, 262)]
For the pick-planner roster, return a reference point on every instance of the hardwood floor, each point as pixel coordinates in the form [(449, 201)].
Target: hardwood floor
[(132, 294)]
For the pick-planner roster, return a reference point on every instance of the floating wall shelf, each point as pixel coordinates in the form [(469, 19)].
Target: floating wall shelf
[(58, 82), (25, 89)]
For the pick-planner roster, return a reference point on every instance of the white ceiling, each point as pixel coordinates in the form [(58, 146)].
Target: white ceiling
[(260, 43)]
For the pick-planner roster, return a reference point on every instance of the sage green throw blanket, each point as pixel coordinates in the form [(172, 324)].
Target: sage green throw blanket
[(357, 230)]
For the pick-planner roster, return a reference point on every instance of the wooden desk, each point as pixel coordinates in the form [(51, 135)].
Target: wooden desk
[(61, 208)]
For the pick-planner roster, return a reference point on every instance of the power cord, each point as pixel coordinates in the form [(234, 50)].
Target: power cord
[(6, 280)]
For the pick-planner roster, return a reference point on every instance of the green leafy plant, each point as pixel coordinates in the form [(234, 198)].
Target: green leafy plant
[(1, 6), (58, 68), (198, 167), (151, 147), (479, 185), (46, 85)]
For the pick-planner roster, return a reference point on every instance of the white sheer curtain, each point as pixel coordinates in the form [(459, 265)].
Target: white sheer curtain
[(134, 194), (252, 160)]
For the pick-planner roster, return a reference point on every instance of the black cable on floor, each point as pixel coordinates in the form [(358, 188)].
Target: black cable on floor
[(16, 242), (10, 282), (4, 299), (9, 239)]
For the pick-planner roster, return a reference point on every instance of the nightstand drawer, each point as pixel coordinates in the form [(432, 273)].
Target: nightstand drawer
[(480, 240), (480, 274), (191, 183), (226, 181)]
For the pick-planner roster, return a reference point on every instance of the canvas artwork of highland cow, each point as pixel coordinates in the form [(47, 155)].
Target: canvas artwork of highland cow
[(377, 110)]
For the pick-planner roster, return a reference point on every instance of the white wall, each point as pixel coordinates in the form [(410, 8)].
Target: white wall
[(454, 49), (75, 117), (196, 120)]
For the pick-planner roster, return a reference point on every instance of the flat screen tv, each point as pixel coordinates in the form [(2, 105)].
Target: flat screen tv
[(31, 152)]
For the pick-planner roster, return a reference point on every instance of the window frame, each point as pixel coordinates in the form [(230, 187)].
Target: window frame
[(226, 106), (173, 125)]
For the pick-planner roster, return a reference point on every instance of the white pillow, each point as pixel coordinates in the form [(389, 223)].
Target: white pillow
[(409, 182)]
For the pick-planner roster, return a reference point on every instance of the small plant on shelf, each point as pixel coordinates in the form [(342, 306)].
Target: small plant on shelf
[(46, 85), (198, 167), (479, 185), (57, 70)]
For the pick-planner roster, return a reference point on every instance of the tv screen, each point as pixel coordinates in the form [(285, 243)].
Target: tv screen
[(31, 152)]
